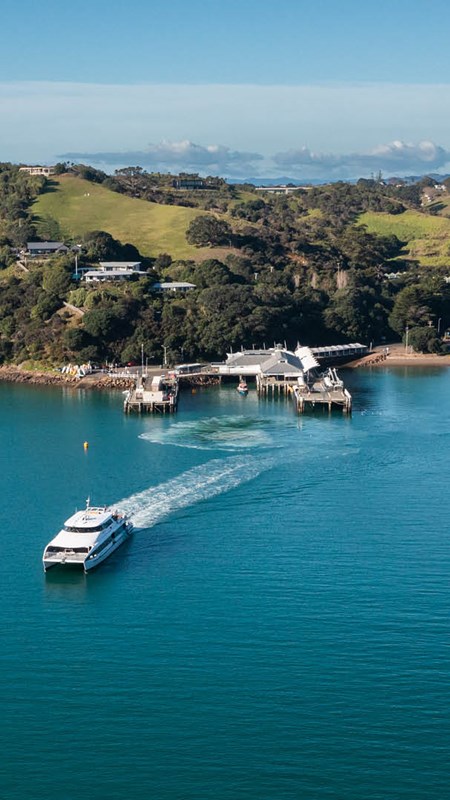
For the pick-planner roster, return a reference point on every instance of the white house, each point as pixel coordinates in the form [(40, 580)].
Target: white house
[(113, 271), (44, 171), (174, 286)]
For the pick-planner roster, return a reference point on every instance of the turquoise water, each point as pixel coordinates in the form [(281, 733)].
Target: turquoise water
[(278, 626)]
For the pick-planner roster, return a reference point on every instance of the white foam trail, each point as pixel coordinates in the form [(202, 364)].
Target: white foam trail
[(213, 433), (200, 483)]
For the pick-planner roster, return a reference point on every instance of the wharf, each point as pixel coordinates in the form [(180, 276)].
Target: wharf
[(322, 392), (161, 397)]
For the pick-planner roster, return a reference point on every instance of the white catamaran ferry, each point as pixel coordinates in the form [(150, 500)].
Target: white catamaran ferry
[(88, 537)]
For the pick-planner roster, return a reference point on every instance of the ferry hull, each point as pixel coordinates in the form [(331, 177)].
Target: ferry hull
[(90, 562)]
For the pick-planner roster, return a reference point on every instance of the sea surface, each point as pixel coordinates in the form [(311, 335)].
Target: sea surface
[(278, 627)]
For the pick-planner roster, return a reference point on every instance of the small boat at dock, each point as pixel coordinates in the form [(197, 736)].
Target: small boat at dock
[(88, 538), (242, 387)]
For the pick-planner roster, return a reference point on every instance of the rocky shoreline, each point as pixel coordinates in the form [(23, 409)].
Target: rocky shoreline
[(102, 382), (14, 374)]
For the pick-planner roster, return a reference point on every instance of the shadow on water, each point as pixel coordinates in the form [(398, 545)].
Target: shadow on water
[(74, 580)]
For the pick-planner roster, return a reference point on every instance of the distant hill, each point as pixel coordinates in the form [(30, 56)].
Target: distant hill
[(79, 206)]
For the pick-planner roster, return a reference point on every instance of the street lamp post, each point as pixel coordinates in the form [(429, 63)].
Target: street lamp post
[(406, 339), (439, 325)]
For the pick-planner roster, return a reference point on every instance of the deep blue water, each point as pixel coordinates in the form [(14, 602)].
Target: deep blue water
[(278, 626)]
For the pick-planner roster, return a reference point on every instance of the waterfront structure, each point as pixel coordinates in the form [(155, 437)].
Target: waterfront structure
[(160, 397), (249, 362), (340, 352), (296, 375)]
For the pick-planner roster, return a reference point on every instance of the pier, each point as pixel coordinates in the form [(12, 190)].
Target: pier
[(322, 393), (322, 397), (296, 376), (160, 397)]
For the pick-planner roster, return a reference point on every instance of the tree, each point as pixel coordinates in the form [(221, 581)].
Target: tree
[(101, 246), (424, 340), (56, 280), (211, 273), (76, 339), (411, 308), (209, 231), (357, 313)]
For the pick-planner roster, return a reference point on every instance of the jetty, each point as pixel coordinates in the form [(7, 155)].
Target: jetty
[(155, 395), (297, 376), (324, 392)]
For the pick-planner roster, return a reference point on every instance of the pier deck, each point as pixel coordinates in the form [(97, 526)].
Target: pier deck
[(306, 396), (160, 398)]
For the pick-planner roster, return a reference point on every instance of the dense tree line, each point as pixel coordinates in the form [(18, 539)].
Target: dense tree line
[(17, 191)]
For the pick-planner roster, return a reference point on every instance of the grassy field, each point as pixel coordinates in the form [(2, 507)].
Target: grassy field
[(79, 206), (427, 238)]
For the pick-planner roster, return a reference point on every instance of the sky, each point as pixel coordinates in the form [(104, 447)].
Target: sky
[(317, 90)]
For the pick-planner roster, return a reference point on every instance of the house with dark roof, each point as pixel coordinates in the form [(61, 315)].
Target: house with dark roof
[(41, 249)]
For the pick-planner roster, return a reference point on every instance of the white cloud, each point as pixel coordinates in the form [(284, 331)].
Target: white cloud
[(176, 157), (395, 157), (42, 119)]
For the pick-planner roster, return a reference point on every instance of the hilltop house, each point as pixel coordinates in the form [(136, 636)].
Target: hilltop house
[(42, 249), (43, 171), (113, 271), (280, 189), (174, 286)]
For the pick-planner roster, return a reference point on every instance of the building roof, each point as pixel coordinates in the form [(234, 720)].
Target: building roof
[(338, 348), (173, 285), (282, 362), (120, 264), (45, 245), (247, 358), (275, 361), (110, 274), (306, 358)]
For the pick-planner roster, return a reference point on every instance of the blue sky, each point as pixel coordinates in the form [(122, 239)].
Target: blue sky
[(330, 88)]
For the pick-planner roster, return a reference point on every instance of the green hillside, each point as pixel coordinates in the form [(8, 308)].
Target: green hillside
[(80, 206), (427, 237)]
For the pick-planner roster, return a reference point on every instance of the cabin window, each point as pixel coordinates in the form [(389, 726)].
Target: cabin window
[(88, 528)]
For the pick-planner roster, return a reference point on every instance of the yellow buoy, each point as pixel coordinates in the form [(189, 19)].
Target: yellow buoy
[(86, 445)]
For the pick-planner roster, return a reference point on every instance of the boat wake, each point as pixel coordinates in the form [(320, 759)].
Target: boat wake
[(214, 433), (149, 507)]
